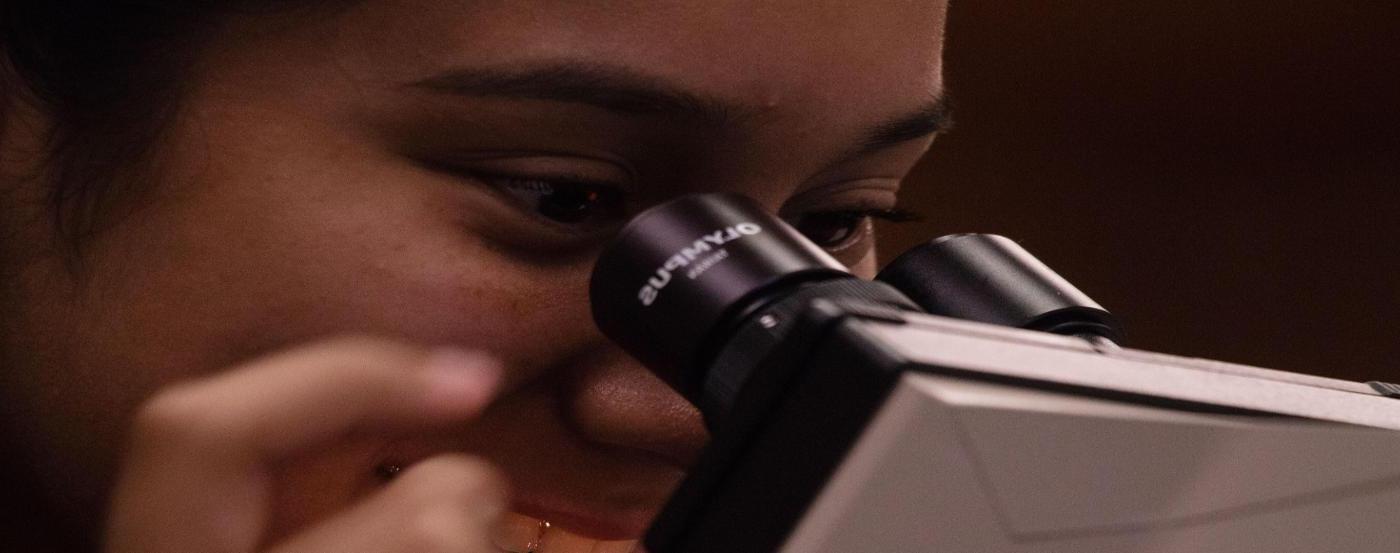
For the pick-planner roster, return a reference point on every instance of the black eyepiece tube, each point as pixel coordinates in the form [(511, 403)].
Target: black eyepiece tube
[(991, 279), (680, 269), (699, 288)]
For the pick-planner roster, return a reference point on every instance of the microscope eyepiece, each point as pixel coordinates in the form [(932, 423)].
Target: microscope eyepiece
[(685, 270), (991, 279)]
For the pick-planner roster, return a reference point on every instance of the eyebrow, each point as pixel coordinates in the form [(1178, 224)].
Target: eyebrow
[(627, 91), (934, 117)]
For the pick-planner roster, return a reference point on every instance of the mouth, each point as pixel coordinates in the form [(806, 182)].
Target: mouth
[(517, 533), (559, 524)]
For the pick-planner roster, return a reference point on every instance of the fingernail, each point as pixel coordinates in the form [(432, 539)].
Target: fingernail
[(459, 379)]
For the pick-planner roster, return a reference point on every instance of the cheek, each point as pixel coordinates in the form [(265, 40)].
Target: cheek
[(321, 234), (399, 264)]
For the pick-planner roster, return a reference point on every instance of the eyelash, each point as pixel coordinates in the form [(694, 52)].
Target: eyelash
[(840, 229), (610, 194)]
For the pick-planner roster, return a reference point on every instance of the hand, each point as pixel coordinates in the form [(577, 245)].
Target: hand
[(199, 470)]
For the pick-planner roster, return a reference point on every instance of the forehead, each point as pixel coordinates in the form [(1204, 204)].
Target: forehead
[(761, 53)]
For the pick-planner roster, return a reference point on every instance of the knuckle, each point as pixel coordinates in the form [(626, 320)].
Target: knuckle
[(173, 414)]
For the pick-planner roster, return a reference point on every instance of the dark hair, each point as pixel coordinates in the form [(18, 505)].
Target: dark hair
[(105, 73)]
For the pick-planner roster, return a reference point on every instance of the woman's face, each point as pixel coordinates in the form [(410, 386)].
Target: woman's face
[(444, 172)]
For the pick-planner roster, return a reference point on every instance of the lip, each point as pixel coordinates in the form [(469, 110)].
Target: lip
[(599, 524), (591, 519)]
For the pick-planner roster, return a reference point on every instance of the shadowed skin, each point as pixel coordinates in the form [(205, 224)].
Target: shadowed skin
[(393, 169)]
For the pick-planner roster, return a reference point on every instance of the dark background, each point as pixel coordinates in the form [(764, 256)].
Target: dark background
[(1221, 174)]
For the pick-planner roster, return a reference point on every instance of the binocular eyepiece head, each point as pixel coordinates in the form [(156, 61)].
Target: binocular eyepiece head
[(699, 289)]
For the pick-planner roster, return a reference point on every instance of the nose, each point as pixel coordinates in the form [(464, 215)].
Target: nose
[(609, 398)]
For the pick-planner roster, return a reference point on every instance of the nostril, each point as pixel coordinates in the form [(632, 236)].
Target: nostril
[(620, 403)]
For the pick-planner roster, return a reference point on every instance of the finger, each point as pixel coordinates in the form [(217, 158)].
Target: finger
[(446, 504), (282, 404), (197, 473)]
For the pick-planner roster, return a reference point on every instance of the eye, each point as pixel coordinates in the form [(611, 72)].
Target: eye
[(834, 230), (564, 200), (831, 230)]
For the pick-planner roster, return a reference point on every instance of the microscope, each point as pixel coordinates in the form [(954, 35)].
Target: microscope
[(970, 400)]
